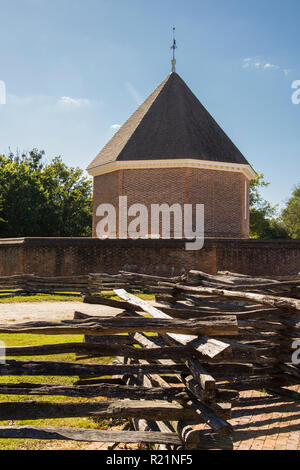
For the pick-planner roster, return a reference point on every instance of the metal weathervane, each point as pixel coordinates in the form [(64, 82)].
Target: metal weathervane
[(174, 47)]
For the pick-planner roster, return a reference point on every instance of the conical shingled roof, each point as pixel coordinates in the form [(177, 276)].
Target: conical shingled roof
[(171, 124)]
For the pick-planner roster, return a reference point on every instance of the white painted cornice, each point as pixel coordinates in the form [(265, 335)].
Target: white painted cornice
[(247, 170)]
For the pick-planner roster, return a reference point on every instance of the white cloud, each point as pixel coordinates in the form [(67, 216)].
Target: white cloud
[(247, 63), (68, 101), (271, 66), (115, 127), (51, 104), (260, 64)]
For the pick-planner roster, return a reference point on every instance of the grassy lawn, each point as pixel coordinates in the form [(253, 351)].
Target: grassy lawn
[(5, 299), (87, 423), (16, 299)]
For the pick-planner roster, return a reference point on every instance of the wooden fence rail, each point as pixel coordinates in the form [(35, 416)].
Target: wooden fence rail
[(181, 361)]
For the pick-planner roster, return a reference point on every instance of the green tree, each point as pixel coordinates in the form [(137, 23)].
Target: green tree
[(40, 199), (291, 214), (264, 222)]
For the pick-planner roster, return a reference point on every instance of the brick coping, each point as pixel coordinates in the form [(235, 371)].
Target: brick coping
[(63, 241)]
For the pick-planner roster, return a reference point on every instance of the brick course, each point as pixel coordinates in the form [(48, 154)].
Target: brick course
[(221, 192)]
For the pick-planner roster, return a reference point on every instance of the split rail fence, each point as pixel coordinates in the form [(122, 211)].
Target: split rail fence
[(179, 363), (30, 284)]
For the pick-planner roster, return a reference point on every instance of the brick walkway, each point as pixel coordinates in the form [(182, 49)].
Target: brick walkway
[(266, 422)]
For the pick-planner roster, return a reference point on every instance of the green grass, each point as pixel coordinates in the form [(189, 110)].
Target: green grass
[(32, 340), (39, 298), (143, 296), (16, 299), (87, 423)]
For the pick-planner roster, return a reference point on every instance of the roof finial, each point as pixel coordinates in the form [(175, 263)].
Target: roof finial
[(174, 47)]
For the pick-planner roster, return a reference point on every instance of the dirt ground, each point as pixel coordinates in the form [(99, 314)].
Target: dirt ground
[(51, 311)]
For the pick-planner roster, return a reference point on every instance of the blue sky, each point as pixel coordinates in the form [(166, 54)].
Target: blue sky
[(75, 69)]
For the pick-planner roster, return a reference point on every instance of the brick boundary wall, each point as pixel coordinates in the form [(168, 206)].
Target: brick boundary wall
[(75, 256)]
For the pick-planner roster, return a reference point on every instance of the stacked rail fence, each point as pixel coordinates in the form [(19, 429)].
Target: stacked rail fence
[(30, 284), (179, 362)]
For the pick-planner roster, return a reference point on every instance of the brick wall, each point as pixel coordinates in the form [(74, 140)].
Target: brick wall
[(259, 257), (11, 257), (222, 193), (75, 256), (106, 190)]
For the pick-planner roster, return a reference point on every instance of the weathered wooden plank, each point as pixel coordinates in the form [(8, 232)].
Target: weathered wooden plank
[(290, 369), (207, 346), (227, 309), (240, 313), (116, 380), (210, 347), (261, 325), (213, 303), (103, 326), (109, 339), (106, 409), (207, 416), (260, 382), (199, 275), (49, 368), (222, 410), (140, 424), (219, 425), (207, 382), (97, 390), (100, 300), (227, 395), (222, 406), (196, 389), (239, 370), (239, 278), (149, 277), (284, 392), (144, 426), (248, 283), (270, 301), (157, 380), (87, 435), (197, 438), (106, 350)]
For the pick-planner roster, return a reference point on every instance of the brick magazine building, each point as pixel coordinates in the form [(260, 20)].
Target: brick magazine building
[(172, 151)]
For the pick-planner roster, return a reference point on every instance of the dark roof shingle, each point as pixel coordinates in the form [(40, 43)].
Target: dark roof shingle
[(170, 124)]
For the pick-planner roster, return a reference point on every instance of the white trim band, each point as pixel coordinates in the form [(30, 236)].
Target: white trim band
[(188, 163)]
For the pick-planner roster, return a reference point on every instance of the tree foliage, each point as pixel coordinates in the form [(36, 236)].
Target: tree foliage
[(291, 214), (39, 199), (264, 222)]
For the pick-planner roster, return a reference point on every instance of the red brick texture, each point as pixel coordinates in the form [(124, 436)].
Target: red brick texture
[(262, 421), (106, 190), (223, 194), (75, 256), (266, 422)]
